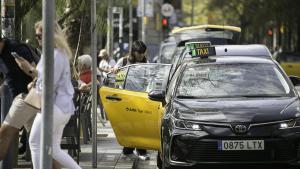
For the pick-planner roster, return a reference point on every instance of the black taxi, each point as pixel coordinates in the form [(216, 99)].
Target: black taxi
[(213, 109)]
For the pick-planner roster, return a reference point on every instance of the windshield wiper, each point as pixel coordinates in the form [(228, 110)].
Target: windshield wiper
[(186, 97), (259, 95)]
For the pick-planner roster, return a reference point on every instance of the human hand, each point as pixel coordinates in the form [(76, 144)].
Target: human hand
[(30, 85), (84, 88), (23, 64)]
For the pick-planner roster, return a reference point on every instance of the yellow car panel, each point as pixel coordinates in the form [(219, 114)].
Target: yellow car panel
[(291, 68), (290, 63), (135, 118), (232, 28)]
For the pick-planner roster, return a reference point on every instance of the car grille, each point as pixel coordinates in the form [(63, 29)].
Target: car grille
[(207, 151)]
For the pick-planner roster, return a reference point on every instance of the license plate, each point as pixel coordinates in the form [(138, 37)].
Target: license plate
[(227, 145)]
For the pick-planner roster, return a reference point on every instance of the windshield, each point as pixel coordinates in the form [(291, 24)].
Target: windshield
[(216, 36), (232, 80)]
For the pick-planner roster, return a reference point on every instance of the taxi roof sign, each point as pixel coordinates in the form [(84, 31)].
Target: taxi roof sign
[(203, 52), (196, 45)]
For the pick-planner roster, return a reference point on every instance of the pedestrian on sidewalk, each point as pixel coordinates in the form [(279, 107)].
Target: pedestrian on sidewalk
[(137, 55), (17, 81), (63, 106), (107, 63), (85, 73)]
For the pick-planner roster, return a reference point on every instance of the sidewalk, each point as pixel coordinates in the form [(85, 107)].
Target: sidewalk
[(109, 154)]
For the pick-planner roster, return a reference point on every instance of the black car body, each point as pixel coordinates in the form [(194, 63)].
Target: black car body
[(256, 121)]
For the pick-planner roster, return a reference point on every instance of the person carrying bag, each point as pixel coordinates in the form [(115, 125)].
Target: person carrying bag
[(33, 98)]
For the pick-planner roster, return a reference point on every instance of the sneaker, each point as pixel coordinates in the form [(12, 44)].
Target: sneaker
[(143, 157), (22, 149), (127, 151)]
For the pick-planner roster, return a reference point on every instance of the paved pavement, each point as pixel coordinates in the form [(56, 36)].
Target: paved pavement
[(109, 154)]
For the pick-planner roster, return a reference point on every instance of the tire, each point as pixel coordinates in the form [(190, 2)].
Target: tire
[(163, 164), (158, 161)]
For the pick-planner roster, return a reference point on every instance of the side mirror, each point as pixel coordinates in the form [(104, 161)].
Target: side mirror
[(157, 95), (295, 80)]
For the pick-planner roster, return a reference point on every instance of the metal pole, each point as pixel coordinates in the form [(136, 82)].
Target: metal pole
[(48, 68), (94, 80), (109, 27), (121, 31), (192, 17), (111, 36), (143, 20), (130, 25), (109, 17)]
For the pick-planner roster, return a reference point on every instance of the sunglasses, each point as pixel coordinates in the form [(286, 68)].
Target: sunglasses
[(38, 36)]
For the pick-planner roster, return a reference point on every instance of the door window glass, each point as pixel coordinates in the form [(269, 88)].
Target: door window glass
[(147, 77), (116, 80)]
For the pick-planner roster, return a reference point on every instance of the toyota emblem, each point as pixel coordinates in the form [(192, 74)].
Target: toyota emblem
[(240, 129)]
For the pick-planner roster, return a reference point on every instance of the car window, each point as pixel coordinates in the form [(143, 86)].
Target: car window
[(116, 80), (232, 80), (215, 36), (167, 52), (145, 78)]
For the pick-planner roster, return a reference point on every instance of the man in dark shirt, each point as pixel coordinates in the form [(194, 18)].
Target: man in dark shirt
[(16, 80)]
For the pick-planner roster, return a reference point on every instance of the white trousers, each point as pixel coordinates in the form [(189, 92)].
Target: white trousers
[(60, 120)]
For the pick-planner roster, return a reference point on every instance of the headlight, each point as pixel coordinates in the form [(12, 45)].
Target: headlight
[(297, 123), (290, 124), (183, 124)]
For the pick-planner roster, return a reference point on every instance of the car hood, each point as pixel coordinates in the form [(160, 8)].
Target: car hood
[(230, 110)]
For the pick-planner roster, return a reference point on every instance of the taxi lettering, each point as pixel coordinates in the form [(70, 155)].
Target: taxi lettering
[(202, 51), (201, 45), (137, 110)]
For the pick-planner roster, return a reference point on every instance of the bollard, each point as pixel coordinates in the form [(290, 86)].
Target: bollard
[(6, 100)]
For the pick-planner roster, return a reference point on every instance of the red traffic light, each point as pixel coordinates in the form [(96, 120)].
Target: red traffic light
[(164, 22), (270, 32)]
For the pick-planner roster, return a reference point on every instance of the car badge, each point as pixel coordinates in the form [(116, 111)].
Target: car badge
[(240, 129)]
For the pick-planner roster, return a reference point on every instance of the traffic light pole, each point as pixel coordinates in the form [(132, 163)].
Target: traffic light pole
[(121, 32), (192, 16), (109, 37), (143, 21), (130, 25)]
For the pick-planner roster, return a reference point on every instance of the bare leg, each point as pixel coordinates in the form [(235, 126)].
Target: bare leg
[(56, 165), (7, 135)]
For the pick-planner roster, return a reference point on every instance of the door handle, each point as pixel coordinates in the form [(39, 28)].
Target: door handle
[(114, 98)]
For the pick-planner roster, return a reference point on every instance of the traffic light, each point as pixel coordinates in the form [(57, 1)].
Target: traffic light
[(165, 24), (270, 32)]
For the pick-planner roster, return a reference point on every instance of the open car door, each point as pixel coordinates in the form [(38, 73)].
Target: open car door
[(135, 118)]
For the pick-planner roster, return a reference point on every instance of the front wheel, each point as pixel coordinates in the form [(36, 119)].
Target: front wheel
[(158, 161), (163, 163)]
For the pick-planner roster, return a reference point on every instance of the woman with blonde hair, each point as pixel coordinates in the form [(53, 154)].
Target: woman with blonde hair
[(63, 106)]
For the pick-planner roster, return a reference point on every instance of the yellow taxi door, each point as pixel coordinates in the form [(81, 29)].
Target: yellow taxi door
[(291, 64), (135, 118), (291, 68)]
